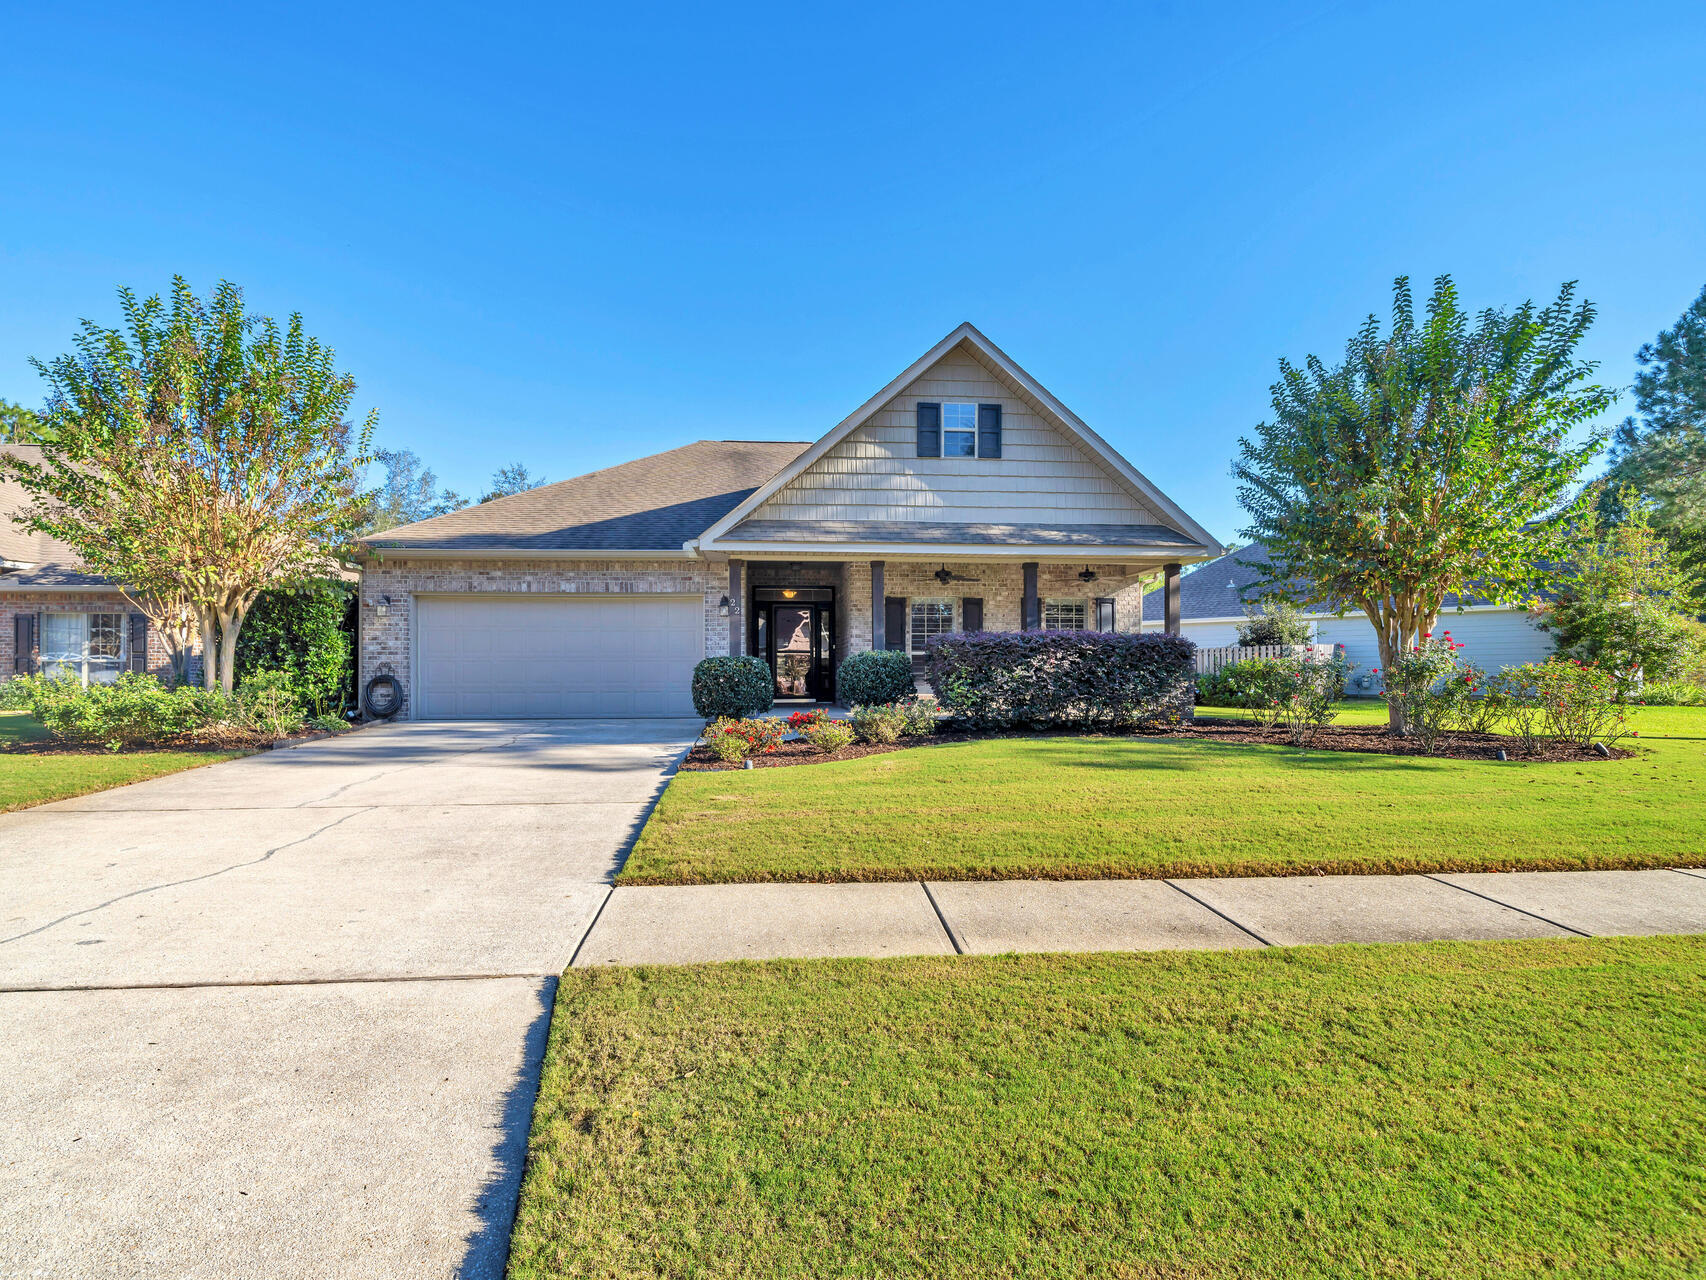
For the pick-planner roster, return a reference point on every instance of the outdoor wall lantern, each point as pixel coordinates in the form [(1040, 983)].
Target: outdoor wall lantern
[(384, 608), (723, 606)]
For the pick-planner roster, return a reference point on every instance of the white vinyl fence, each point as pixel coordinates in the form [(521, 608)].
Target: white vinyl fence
[(1210, 661)]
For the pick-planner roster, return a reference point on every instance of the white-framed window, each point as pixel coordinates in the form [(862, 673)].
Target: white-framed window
[(90, 646), (959, 431), (1065, 615), (930, 618)]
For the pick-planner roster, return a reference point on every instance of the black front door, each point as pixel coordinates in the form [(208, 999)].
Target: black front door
[(796, 637)]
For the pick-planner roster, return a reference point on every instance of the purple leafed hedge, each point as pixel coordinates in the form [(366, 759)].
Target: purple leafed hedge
[(1086, 679)]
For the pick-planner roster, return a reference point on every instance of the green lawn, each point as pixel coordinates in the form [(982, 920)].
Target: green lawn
[(1464, 1110), (27, 779), (1098, 807)]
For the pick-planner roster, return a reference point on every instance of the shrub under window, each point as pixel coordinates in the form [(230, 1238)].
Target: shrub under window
[(1089, 679), (874, 677)]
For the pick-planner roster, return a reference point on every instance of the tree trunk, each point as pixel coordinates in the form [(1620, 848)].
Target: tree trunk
[(228, 625), (1398, 627), (207, 622)]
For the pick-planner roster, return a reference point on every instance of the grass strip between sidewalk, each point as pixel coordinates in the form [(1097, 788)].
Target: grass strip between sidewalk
[(1461, 1109)]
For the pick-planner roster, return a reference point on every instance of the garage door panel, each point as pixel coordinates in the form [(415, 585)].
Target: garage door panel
[(518, 659)]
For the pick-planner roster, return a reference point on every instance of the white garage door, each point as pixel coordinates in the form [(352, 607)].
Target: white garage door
[(508, 659)]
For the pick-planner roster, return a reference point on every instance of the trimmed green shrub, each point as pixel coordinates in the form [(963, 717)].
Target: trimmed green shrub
[(308, 634), (133, 710), (884, 723), (1669, 693), (828, 736), (1086, 679), (920, 713), (875, 677), (267, 702), (733, 687)]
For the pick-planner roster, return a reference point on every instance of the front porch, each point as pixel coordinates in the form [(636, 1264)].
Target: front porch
[(804, 617)]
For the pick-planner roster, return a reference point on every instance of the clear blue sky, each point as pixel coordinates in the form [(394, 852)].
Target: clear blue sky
[(574, 234)]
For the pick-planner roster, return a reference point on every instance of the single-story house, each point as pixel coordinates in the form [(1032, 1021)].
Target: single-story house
[(961, 496), (54, 617), (1214, 597)]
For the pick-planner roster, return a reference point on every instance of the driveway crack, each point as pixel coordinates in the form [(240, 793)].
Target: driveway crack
[(415, 764), (172, 884)]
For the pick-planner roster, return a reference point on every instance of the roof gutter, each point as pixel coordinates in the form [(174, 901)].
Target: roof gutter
[(371, 553), (965, 551)]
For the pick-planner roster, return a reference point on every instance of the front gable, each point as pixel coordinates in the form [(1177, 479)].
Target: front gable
[(1055, 480), (1042, 476)]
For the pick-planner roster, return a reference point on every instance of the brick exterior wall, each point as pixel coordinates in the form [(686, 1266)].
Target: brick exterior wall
[(1001, 587), (94, 601), (386, 642)]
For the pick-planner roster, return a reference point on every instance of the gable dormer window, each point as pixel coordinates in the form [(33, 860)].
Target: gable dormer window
[(959, 431)]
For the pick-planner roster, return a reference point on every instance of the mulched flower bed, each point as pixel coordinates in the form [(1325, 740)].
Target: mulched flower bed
[(1364, 739), (794, 751), (1372, 739)]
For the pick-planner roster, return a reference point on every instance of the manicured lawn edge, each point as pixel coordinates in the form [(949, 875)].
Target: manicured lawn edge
[(1183, 870), (1466, 1109)]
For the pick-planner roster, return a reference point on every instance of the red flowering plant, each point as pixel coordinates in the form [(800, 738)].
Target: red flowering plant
[(800, 721), (1315, 682), (1567, 701), (733, 740), (1416, 688)]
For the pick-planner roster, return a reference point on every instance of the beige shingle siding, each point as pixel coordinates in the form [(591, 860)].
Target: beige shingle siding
[(875, 474)]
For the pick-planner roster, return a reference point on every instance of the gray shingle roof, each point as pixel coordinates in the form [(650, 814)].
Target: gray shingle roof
[(945, 533), (1216, 590), (48, 562), (651, 504)]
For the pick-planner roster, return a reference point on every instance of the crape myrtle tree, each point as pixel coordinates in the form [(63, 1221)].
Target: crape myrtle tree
[(199, 455), (1435, 457)]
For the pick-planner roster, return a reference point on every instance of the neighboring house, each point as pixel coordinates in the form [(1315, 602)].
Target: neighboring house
[(1213, 598), (962, 496), (56, 619)]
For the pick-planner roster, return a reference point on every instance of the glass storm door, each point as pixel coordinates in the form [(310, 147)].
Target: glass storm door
[(795, 659), (799, 649)]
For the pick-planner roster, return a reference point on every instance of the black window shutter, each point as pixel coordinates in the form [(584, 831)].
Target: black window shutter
[(929, 430), (971, 613), (24, 643), (138, 642), (1104, 613), (894, 622), (989, 431)]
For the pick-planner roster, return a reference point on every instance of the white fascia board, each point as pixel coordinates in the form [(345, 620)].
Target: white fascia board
[(955, 551), (516, 553)]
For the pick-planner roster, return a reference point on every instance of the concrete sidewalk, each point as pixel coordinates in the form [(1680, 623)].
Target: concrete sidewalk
[(694, 923)]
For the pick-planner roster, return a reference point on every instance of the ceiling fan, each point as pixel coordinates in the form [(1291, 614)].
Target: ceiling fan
[(944, 575)]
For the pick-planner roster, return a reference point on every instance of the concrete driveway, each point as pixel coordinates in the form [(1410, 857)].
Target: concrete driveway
[(283, 1016)]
